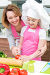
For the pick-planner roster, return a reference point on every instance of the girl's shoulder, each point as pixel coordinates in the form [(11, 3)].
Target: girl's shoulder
[(42, 30), (23, 30)]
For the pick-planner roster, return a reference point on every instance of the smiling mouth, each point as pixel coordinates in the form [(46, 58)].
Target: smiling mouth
[(32, 25), (14, 22)]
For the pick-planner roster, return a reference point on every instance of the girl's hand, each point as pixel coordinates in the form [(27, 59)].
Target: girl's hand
[(15, 50), (25, 58), (42, 50)]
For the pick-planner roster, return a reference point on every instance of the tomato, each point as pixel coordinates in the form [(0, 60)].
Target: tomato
[(17, 56), (23, 72), (15, 71)]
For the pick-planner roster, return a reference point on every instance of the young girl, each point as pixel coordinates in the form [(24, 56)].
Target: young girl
[(33, 42), (33, 38)]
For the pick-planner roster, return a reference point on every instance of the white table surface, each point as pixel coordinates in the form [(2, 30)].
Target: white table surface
[(37, 74), (38, 66)]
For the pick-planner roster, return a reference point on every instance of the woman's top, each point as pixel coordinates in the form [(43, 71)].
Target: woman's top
[(13, 36)]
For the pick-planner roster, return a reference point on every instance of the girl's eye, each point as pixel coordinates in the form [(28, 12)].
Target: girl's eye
[(33, 21), (28, 20)]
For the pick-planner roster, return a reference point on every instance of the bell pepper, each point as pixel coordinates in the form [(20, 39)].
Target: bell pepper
[(4, 69)]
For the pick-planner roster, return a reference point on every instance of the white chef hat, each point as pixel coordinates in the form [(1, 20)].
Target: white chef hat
[(32, 13), (41, 12)]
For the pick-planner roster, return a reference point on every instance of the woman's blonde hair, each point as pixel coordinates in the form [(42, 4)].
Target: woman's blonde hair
[(13, 8)]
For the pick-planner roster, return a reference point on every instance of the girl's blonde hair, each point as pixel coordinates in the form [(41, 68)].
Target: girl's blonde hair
[(13, 8)]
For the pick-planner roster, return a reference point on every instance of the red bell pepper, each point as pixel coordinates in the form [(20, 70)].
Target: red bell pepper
[(4, 69)]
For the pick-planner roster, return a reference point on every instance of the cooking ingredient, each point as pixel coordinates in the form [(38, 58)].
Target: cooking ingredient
[(13, 61), (4, 69), (17, 56), (25, 65), (2, 54), (31, 66), (23, 72), (15, 71)]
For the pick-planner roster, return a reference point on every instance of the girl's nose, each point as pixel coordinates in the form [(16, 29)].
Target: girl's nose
[(31, 22)]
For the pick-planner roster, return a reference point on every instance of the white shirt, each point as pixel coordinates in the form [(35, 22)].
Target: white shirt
[(42, 32), (11, 38)]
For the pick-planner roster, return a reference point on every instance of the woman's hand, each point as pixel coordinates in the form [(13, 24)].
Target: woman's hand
[(15, 50)]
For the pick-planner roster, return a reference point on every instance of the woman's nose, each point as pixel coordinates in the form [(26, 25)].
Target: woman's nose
[(14, 19)]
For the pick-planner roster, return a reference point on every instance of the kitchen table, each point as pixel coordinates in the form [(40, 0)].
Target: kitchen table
[(38, 66)]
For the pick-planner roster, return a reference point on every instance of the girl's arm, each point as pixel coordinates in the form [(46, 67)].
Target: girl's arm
[(42, 47), (41, 50)]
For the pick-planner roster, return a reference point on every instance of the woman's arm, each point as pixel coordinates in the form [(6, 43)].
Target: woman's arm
[(10, 37), (16, 49), (20, 43)]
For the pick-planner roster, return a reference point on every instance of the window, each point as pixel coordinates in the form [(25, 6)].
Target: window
[(18, 3), (1, 11)]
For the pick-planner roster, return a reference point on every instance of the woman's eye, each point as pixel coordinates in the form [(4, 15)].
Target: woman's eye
[(10, 18), (15, 16)]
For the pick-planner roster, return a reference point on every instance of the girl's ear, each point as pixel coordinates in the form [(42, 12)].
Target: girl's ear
[(38, 21)]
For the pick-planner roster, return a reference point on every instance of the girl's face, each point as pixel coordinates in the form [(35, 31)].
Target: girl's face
[(32, 22), (12, 18)]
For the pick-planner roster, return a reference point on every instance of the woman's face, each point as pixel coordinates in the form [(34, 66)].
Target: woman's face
[(32, 22), (12, 18)]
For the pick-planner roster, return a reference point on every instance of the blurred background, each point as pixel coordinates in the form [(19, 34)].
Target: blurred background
[(3, 3)]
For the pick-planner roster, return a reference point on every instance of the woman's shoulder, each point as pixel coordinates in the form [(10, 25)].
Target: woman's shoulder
[(8, 31)]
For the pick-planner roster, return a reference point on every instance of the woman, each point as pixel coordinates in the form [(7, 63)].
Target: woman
[(11, 20)]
